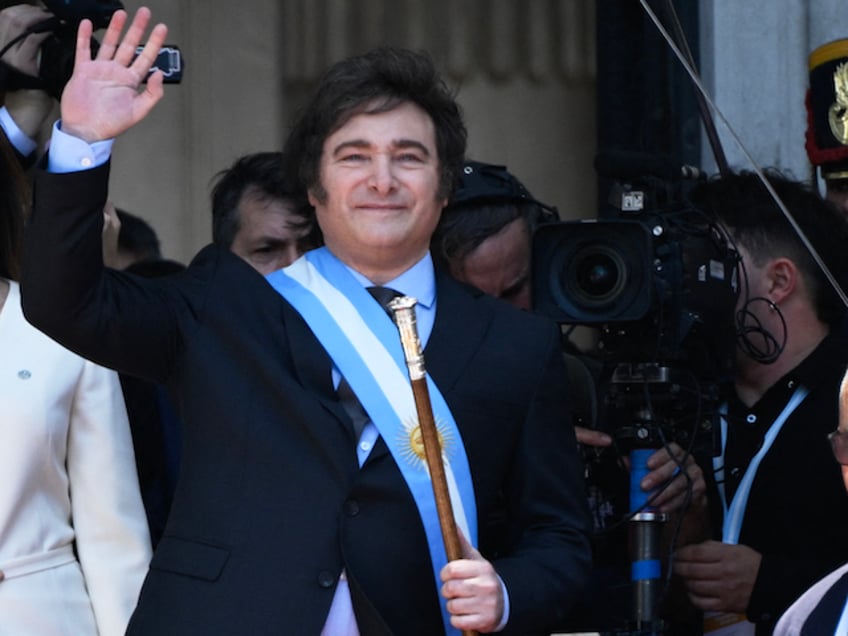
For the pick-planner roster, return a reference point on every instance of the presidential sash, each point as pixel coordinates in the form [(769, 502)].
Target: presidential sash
[(365, 346)]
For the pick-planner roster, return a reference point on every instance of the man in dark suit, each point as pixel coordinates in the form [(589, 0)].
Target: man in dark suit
[(288, 517)]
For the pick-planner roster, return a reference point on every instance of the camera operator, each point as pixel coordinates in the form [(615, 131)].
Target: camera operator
[(778, 490), (25, 110), (484, 239)]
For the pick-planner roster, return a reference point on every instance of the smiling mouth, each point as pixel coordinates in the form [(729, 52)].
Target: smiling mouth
[(381, 207)]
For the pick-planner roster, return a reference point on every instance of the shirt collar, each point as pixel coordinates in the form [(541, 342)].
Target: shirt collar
[(419, 281)]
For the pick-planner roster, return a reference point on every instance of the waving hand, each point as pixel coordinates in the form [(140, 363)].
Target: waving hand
[(106, 95)]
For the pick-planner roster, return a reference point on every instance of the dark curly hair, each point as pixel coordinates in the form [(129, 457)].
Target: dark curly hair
[(743, 204), (376, 82)]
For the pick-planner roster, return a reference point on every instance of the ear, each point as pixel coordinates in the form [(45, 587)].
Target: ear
[(313, 200), (783, 279)]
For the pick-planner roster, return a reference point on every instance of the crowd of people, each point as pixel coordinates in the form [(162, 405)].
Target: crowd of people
[(232, 446)]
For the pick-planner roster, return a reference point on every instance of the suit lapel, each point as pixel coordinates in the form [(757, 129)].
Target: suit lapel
[(460, 327), (311, 363)]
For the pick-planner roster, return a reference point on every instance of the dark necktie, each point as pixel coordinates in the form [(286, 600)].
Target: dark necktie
[(826, 614), (384, 295), (350, 402)]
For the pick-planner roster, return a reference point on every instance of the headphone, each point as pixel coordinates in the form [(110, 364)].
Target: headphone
[(490, 183)]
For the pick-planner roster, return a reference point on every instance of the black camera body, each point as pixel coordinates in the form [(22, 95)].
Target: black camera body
[(660, 287), (57, 51), (73, 12)]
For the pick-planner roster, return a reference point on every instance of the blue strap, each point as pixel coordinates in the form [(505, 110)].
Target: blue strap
[(734, 512)]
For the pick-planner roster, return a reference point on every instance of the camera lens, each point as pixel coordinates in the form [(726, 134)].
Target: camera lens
[(597, 275), (593, 272)]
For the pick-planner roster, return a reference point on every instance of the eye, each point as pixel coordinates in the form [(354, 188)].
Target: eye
[(410, 157), (353, 157)]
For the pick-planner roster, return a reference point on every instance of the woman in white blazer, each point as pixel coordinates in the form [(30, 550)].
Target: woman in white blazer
[(74, 543)]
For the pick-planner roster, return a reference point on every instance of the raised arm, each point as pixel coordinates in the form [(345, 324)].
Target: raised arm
[(66, 291)]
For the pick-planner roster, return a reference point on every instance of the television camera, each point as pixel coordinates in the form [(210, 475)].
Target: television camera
[(657, 279)]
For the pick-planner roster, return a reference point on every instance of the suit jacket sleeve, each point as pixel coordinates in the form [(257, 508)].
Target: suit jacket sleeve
[(549, 564), (68, 294)]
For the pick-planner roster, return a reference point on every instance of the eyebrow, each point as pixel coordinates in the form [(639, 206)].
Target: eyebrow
[(399, 143)]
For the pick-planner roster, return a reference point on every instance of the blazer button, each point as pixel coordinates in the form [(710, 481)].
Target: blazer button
[(326, 579), (351, 507)]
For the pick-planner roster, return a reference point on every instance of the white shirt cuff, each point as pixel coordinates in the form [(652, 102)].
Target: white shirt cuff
[(71, 154), (15, 135)]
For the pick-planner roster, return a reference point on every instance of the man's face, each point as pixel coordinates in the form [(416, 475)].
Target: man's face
[(837, 193), (500, 265), (380, 179), (266, 238)]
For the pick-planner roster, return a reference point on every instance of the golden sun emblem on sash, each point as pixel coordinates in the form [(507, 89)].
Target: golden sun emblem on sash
[(837, 114), (411, 442)]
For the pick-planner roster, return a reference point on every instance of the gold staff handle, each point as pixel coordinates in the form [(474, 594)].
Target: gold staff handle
[(403, 309)]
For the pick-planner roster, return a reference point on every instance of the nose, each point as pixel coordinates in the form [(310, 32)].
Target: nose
[(290, 254), (382, 176)]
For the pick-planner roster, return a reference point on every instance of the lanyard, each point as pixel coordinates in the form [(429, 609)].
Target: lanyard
[(734, 514)]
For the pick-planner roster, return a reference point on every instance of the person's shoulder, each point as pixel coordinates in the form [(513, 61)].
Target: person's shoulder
[(22, 336), (795, 617), (499, 312), (219, 272)]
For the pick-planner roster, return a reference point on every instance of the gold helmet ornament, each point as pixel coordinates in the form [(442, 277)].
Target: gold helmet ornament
[(827, 110)]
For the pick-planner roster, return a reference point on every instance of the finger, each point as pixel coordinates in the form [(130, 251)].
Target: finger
[(706, 603), (83, 53), (147, 58), (468, 550), (132, 38), (592, 437), (112, 35), (153, 92), (704, 552), (111, 214), (699, 571)]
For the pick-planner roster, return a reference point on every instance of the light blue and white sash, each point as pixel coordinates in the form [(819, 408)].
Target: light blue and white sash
[(364, 344), (734, 512)]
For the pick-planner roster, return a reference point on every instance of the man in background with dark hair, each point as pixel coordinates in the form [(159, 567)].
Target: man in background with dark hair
[(779, 493), (484, 235), (127, 239), (258, 214)]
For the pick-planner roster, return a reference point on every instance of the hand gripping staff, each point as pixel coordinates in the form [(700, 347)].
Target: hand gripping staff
[(403, 309)]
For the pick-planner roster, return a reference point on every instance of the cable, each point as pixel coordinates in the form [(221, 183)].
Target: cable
[(756, 168)]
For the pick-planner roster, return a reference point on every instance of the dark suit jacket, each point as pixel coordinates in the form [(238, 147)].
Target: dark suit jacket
[(270, 504)]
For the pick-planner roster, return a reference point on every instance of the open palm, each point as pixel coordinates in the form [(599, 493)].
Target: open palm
[(103, 98)]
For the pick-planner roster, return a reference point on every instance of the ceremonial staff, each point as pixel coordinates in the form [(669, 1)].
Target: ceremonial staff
[(403, 309)]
